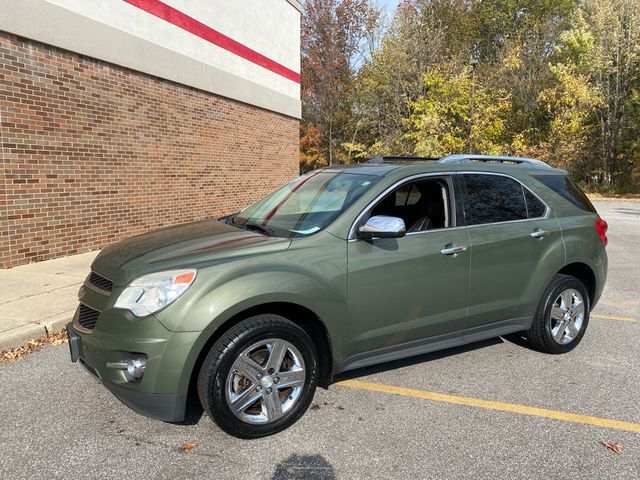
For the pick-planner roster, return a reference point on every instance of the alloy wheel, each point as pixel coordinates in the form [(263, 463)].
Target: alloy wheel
[(567, 316), (265, 381)]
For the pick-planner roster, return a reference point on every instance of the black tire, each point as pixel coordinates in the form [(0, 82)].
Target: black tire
[(540, 335), (215, 377)]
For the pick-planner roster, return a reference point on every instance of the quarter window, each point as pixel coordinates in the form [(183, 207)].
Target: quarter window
[(564, 186), (494, 198), (535, 208)]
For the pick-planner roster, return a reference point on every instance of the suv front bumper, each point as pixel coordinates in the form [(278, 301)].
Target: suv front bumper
[(165, 407)]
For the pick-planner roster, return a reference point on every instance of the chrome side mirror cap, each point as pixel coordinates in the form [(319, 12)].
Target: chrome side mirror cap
[(382, 226)]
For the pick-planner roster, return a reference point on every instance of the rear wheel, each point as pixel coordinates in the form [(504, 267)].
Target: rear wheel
[(260, 377), (562, 316)]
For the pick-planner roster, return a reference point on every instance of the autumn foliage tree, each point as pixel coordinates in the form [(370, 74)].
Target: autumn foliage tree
[(555, 79), (335, 36)]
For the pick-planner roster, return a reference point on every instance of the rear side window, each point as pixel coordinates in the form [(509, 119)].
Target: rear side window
[(493, 198), (564, 186)]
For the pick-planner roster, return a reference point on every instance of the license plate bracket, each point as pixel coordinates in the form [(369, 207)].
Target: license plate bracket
[(74, 344)]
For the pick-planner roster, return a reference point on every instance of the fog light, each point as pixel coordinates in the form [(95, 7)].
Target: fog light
[(133, 365)]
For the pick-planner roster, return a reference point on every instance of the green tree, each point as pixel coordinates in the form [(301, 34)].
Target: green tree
[(570, 103), (556, 79), (443, 120), (422, 35)]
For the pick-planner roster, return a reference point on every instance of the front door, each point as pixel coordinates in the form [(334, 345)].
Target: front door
[(407, 289)]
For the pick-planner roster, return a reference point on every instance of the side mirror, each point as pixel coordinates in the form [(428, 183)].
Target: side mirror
[(381, 226)]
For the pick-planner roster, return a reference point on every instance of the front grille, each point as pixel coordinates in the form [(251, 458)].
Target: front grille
[(87, 317), (100, 282)]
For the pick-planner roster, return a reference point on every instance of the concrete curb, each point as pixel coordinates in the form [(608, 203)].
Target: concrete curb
[(21, 335)]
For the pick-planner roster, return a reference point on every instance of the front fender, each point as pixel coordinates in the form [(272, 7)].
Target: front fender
[(236, 295), (309, 274)]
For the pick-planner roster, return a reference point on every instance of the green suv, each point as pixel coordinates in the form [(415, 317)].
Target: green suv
[(341, 268)]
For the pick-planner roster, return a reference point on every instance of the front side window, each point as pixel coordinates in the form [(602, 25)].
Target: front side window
[(422, 204), (494, 198), (306, 205)]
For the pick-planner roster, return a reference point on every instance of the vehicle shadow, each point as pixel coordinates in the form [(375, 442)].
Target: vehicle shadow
[(304, 467), (193, 411), (519, 339), (407, 362)]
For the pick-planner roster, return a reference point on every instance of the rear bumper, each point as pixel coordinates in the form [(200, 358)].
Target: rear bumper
[(168, 408)]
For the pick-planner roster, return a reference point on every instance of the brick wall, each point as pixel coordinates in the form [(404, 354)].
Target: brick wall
[(92, 152)]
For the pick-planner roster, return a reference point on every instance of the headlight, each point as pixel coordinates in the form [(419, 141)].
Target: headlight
[(150, 293)]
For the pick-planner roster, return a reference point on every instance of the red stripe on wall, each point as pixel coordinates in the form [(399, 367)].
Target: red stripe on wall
[(191, 25)]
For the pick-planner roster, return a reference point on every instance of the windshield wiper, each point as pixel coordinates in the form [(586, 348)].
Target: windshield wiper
[(258, 228)]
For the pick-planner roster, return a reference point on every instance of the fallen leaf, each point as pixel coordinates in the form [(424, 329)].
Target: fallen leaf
[(616, 447), (186, 446), (54, 339)]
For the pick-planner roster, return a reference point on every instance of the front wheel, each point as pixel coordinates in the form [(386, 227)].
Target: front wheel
[(259, 377), (562, 316)]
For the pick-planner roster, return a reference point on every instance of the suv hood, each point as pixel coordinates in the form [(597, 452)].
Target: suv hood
[(189, 245)]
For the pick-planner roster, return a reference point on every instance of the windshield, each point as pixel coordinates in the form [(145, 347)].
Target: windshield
[(306, 205)]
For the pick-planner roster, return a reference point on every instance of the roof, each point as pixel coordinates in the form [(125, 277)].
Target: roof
[(381, 166)]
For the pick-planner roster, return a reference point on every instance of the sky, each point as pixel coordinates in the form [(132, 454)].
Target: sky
[(390, 5)]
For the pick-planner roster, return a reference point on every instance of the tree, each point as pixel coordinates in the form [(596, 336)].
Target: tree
[(516, 43), (442, 120), (422, 35), (556, 79), (570, 104), (615, 63), (336, 34)]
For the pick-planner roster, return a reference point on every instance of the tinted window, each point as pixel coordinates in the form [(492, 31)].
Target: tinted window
[(535, 208), (423, 205), (494, 198), (564, 186)]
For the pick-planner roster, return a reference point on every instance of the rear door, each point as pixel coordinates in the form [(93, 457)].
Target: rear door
[(516, 244)]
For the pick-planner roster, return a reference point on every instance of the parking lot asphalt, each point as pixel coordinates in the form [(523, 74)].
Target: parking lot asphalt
[(406, 419)]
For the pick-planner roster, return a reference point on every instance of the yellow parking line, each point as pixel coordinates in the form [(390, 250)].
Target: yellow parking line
[(491, 405), (612, 317)]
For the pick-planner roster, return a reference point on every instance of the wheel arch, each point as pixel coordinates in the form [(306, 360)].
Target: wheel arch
[(585, 274), (298, 314)]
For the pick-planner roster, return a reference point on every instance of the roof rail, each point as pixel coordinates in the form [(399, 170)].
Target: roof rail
[(470, 158), (381, 159)]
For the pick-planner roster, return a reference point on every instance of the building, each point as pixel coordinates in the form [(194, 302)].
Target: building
[(121, 116)]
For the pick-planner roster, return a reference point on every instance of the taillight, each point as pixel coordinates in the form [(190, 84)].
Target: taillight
[(601, 227)]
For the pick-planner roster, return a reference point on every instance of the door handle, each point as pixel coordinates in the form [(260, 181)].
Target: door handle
[(453, 249), (540, 233)]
